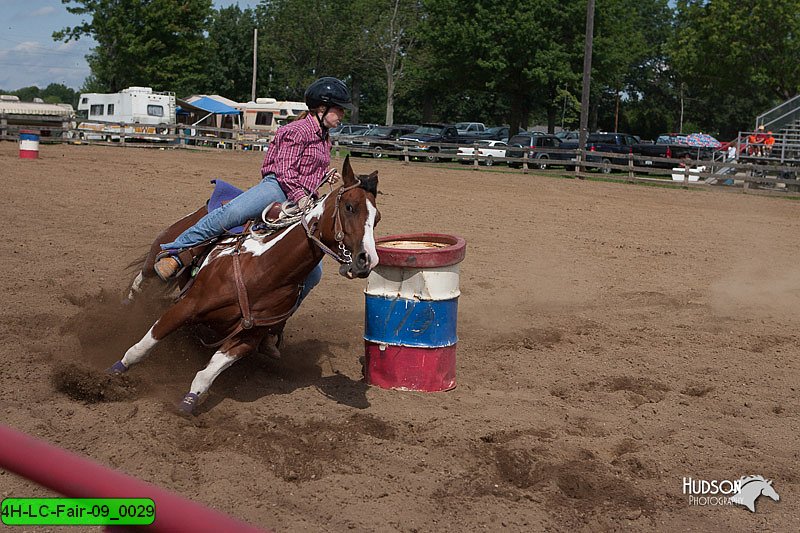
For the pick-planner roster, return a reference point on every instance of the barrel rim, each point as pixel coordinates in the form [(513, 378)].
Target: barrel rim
[(422, 257)]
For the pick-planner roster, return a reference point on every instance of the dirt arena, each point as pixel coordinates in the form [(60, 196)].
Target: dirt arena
[(613, 339)]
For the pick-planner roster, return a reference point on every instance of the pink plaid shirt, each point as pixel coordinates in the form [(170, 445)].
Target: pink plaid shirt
[(299, 157)]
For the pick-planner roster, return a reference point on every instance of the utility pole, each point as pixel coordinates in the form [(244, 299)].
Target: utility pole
[(587, 74), (255, 64)]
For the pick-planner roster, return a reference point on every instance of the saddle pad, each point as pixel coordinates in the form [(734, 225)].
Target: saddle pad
[(223, 193)]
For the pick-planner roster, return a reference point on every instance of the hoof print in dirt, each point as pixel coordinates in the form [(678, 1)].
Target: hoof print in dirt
[(91, 386)]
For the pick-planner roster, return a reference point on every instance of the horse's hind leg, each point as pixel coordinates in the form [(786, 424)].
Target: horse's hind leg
[(172, 319), (136, 287)]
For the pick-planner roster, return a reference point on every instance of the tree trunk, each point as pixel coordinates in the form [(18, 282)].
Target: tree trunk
[(427, 108), (516, 119), (389, 99), (356, 91), (551, 119)]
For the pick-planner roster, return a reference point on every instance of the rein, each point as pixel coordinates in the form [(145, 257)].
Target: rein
[(344, 257)]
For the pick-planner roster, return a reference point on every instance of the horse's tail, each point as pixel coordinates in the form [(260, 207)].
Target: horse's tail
[(137, 263)]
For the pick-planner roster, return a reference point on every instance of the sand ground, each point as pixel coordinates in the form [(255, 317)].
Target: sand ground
[(613, 339)]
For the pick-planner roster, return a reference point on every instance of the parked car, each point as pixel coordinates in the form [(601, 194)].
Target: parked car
[(543, 150), (488, 152), (379, 139), (345, 133), (609, 144), (498, 133), (671, 145), (427, 138), (568, 135), (470, 127)]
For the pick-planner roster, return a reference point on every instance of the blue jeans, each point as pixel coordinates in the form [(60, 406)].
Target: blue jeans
[(246, 206)]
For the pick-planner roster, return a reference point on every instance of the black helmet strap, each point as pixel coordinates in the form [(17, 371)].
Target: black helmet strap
[(321, 119)]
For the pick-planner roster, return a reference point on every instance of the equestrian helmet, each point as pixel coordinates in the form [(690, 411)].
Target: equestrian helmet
[(328, 91)]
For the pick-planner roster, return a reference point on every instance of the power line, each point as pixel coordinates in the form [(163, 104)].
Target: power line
[(29, 65), (39, 47)]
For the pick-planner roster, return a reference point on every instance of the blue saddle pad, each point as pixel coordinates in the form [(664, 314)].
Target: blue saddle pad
[(223, 193)]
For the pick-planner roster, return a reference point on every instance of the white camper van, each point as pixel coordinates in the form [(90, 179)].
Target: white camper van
[(140, 110), (262, 117)]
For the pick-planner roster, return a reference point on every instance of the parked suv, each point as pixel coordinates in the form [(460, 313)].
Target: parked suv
[(379, 139), (542, 150)]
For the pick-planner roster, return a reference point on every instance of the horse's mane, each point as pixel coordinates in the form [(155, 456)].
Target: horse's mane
[(747, 479)]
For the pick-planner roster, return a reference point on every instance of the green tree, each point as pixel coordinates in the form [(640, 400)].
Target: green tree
[(524, 51), (57, 93), (230, 43), (157, 43), (305, 39), (736, 59)]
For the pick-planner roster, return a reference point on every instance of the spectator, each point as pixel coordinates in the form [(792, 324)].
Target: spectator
[(760, 137), (769, 141), (751, 144)]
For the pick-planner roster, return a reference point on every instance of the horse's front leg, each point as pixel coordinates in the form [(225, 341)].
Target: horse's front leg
[(222, 359)]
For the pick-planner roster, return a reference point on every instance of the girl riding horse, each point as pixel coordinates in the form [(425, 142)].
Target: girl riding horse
[(294, 167)]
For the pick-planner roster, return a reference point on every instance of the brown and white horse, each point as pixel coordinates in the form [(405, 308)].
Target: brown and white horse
[(248, 289)]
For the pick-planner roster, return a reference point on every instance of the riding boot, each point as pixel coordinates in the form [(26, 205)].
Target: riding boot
[(167, 267)]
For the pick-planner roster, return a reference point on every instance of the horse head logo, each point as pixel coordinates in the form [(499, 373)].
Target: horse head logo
[(751, 487)]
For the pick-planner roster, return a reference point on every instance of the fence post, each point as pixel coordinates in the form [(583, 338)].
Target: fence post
[(686, 175), (405, 154), (3, 127), (336, 144), (630, 166), (578, 163), (122, 137), (475, 156), (525, 162)]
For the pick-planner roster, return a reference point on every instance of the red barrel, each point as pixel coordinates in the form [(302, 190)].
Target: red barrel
[(411, 308)]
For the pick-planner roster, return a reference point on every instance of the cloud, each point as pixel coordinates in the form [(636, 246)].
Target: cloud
[(36, 63), (42, 11)]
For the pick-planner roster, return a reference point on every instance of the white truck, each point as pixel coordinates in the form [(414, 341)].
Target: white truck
[(138, 111)]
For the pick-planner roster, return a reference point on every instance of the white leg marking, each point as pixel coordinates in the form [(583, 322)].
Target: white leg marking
[(369, 238), (136, 286), (203, 380), (138, 351)]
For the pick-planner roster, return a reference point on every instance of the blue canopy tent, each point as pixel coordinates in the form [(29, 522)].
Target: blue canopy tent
[(205, 107)]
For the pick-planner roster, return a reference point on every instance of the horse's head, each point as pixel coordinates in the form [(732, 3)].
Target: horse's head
[(347, 222), (768, 491)]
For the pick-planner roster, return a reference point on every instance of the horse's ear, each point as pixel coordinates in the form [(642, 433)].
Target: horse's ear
[(348, 176), (370, 183)]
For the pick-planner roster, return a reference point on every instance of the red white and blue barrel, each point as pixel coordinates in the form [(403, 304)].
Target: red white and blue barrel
[(28, 144), (411, 312)]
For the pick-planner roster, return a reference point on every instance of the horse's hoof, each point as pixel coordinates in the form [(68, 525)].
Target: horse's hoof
[(117, 369), (188, 403)]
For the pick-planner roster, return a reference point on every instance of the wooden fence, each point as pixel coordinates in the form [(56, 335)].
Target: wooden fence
[(747, 174)]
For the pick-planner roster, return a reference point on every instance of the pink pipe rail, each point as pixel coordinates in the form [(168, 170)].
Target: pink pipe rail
[(76, 477)]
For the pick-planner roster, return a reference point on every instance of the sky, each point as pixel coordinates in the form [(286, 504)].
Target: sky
[(30, 56)]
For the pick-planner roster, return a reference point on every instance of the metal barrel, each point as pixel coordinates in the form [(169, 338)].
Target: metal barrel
[(28, 144), (411, 312)]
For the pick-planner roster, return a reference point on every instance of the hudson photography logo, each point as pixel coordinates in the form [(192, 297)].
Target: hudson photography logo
[(725, 492)]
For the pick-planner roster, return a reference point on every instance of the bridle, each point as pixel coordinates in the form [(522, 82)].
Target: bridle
[(343, 257)]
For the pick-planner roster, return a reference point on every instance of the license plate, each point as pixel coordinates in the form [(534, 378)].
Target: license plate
[(648, 162)]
